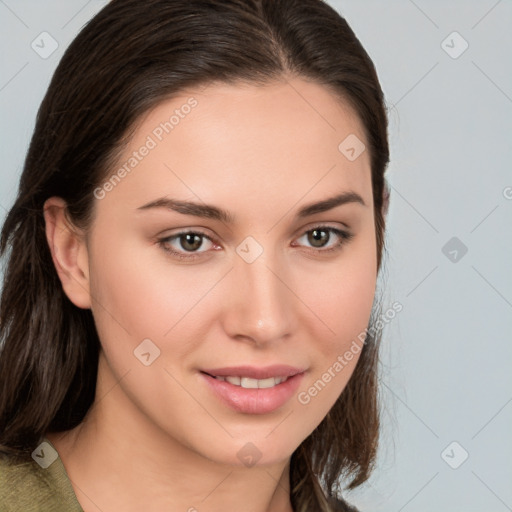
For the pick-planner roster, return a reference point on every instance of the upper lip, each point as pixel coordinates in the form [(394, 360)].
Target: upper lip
[(253, 372)]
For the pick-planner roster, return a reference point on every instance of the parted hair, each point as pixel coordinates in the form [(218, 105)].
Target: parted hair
[(126, 60)]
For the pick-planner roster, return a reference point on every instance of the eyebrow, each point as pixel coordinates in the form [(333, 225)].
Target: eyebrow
[(213, 212)]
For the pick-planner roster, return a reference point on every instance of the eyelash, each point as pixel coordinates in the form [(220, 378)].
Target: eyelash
[(344, 236)]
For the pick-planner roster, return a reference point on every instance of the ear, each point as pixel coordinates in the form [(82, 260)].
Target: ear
[(69, 252)]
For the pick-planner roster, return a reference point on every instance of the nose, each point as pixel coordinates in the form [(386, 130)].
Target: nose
[(261, 306)]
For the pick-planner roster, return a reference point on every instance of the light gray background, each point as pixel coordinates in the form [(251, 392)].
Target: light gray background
[(446, 357)]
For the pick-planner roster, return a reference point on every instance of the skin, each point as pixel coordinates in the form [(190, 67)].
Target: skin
[(156, 438)]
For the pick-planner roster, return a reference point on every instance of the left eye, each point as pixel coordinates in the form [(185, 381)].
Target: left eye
[(191, 241), (322, 234)]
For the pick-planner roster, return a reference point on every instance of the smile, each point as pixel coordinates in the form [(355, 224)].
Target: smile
[(252, 396)]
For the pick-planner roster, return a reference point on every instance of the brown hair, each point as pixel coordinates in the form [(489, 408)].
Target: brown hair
[(130, 57)]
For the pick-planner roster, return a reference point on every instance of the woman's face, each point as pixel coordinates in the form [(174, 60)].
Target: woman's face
[(270, 283)]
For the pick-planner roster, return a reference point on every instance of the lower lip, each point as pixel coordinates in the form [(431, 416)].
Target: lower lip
[(254, 401)]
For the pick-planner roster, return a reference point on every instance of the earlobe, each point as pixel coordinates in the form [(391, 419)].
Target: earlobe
[(69, 252)]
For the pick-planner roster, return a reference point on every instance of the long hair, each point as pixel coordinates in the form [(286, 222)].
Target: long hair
[(126, 60)]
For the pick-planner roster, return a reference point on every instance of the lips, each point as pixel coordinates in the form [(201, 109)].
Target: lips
[(251, 390)]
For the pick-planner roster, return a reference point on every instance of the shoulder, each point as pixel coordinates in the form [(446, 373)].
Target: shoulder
[(19, 482), (28, 486)]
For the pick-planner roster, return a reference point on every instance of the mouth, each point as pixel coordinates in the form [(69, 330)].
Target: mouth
[(253, 390)]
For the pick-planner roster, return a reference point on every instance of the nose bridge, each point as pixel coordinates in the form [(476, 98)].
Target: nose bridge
[(261, 304)]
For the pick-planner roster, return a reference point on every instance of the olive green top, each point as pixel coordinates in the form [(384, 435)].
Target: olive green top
[(41, 485)]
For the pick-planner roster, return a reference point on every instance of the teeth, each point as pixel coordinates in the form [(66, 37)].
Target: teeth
[(248, 383), (267, 383)]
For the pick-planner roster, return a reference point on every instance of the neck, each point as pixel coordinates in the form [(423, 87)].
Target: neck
[(117, 460)]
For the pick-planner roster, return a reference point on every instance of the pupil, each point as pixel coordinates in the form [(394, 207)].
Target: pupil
[(317, 237), (193, 239)]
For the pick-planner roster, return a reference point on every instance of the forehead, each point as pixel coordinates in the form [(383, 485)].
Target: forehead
[(224, 141)]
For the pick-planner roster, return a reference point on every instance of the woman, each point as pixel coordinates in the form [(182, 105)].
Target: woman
[(187, 313)]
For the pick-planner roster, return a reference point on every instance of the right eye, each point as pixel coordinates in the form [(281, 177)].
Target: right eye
[(188, 241)]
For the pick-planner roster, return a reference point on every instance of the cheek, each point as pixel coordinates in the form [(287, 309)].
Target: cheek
[(342, 297), (342, 294), (138, 294)]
